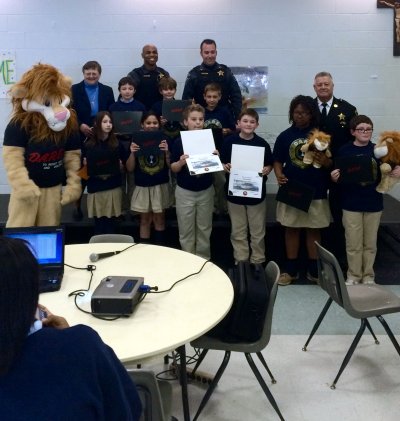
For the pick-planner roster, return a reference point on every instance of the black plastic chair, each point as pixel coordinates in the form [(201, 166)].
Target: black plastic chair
[(360, 301), (206, 343)]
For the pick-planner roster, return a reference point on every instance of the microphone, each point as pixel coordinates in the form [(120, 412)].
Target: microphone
[(94, 257)]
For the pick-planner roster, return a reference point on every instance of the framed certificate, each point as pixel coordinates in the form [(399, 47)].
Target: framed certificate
[(148, 141), (126, 122), (172, 109), (355, 169), (295, 194)]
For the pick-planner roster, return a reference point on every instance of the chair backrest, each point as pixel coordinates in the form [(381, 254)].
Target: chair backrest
[(272, 273), (331, 278), (111, 238), (149, 392)]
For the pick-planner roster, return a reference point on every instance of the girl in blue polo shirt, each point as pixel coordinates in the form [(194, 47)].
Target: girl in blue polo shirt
[(288, 164), (151, 195)]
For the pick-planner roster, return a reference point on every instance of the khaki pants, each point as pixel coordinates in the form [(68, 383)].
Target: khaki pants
[(361, 232), (194, 211), (44, 210), (245, 219)]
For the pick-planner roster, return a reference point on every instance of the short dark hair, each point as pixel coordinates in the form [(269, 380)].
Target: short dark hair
[(207, 41), (93, 64), (191, 108), (216, 87), (148, 114), (127, 80), (309, 104), (358, 119), (167, 82), (250, 112), (19, 292)]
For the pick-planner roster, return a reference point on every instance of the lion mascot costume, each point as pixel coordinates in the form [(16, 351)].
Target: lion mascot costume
[(41, 148), (316, 142), (387, 150)]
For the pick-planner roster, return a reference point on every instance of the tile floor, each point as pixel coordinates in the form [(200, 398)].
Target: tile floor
[(369, 388)]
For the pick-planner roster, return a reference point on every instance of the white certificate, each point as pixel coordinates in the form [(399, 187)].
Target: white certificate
[(199, 145), (249, 158), (245, 179)]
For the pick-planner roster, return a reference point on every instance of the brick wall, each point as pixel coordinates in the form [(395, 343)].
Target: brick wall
[(353, 40)]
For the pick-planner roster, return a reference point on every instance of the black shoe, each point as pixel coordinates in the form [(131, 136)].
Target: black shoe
[(77, 214)]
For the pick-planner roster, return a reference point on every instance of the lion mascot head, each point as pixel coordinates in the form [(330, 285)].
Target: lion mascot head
[(387, 150), (317, 141), (41, 102)]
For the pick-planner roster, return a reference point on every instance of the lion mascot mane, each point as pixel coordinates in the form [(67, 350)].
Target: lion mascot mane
[(316, 142), (387, 150), (41, 147)]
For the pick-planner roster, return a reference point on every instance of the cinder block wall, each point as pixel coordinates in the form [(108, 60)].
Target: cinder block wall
[(296, 39)]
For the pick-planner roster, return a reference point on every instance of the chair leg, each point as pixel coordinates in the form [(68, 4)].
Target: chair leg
[(318, 322), (263, 385), (261, 358), (199, 360), (213, 384), (389, 333), (347, 357), (372, 332)]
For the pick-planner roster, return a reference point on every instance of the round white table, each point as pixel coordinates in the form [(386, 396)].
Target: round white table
[(161, 322)]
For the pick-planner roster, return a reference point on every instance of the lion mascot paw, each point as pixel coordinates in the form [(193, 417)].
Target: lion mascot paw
[(316, 141), (41, 148), (387, 150)]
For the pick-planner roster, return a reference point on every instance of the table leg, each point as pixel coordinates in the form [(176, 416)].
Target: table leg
[(183, 380)]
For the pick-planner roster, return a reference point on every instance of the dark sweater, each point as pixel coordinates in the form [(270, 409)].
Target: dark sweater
[(360, 197), (68, 374)]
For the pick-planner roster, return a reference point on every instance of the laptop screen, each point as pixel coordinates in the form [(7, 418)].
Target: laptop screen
[(47, 243)]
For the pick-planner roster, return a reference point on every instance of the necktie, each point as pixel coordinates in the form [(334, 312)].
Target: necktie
[(323, 114)]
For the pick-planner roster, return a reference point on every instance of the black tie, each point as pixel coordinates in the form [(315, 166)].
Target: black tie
[(323, 114)]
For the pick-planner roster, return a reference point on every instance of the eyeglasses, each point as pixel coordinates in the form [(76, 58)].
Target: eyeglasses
[(364, 130)]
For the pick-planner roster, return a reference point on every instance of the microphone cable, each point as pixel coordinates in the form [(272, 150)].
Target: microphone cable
[(118, 251), (82, 292), (179, 280)]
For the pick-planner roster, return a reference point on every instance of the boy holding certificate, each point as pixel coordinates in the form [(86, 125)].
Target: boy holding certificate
[(247, 159), (167, 87), (194, 194)]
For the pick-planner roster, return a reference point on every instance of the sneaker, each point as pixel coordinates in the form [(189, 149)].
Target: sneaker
[(312, 278), (287, 279), (351, 282), (368, 281)]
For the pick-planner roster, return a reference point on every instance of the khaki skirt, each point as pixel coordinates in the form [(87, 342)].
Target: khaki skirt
[(151, 199), (318, 216), (105, 203)]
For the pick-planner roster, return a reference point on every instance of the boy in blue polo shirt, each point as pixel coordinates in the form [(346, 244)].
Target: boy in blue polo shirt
[(248, 214)]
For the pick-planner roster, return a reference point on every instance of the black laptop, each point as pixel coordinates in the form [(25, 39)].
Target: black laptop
[(47, 244)]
